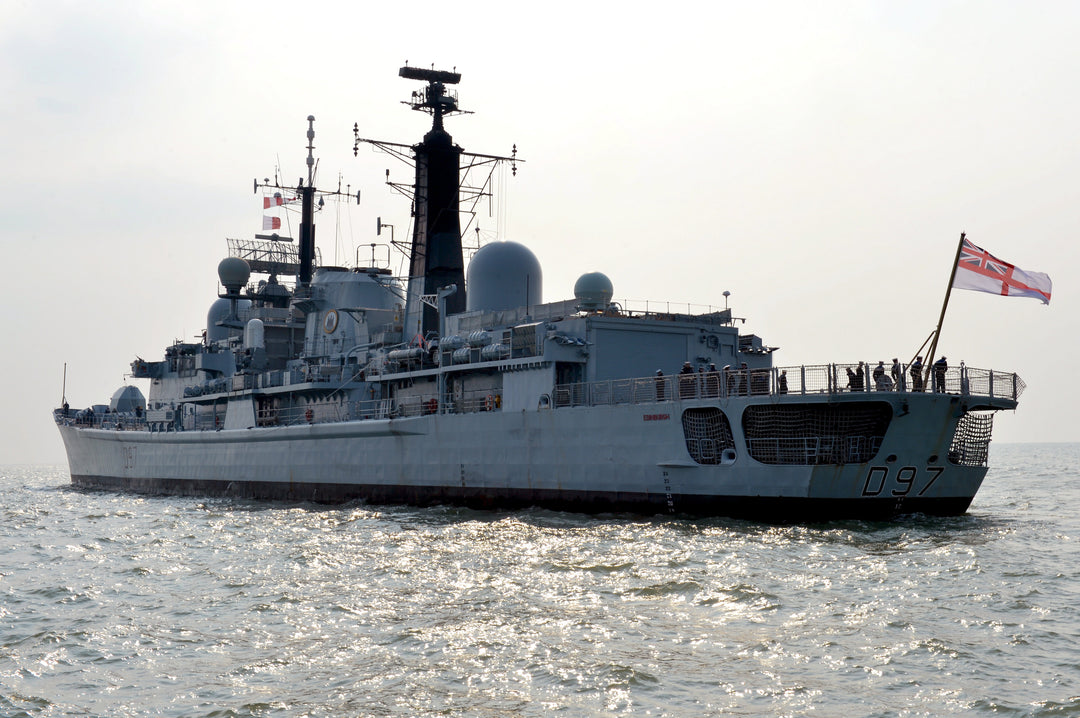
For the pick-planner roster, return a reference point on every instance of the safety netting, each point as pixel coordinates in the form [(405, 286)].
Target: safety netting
[(708, 433), (816, 434), (971, 442)]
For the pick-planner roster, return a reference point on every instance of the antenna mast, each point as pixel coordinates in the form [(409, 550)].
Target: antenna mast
[(435, 258), (307, 212), (305, 263)]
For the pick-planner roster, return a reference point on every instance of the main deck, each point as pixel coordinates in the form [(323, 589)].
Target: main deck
[(980, 389)]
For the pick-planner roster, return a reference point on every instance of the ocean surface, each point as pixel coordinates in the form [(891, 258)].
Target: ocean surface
[(122, 605)]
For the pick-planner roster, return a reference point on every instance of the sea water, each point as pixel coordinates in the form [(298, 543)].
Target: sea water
[(126, 605)]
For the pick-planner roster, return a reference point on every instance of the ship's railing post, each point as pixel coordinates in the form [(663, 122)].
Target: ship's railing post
[(802, 379)]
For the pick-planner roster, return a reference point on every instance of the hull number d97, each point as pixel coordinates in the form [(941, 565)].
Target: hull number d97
[(902, 481)]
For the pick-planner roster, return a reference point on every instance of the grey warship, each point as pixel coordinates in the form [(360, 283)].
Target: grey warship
[(456, 384)]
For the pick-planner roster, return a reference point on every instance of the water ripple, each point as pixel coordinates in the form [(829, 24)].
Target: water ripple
[(122, 605)]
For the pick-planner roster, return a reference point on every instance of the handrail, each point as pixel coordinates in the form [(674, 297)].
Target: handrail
[(780, 381), (820, 379), (125, 421)]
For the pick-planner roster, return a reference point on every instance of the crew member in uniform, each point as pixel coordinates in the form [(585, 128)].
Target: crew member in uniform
[(916, 374)]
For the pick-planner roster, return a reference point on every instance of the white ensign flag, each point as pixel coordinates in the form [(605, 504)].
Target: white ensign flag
[(981, 271)]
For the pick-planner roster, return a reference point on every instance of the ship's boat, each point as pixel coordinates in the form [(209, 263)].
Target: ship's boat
[(333, 384)]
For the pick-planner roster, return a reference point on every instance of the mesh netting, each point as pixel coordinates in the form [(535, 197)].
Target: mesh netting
[(816, 434), (708, 433), (971, 442)]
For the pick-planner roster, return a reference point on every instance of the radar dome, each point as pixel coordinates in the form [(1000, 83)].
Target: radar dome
[(503, 275), (126, 399), (220, 311), (233, 273), (593, 291)]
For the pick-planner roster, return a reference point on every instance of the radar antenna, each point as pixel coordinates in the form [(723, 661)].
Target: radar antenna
[(434, 98)]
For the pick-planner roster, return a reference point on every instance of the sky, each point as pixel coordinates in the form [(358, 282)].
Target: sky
[(816, 160)]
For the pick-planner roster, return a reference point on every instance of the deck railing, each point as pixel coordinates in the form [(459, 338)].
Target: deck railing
[(398, 407), (775, 381), (779, 381), (127, 421)]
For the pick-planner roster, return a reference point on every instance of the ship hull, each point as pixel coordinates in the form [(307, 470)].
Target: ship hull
[(588, 459), (758, 508)]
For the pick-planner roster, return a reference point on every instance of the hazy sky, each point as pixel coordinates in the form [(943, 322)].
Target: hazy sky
[(817, 160)]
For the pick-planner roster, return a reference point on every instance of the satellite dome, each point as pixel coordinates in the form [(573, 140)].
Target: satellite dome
[(503, 275), (233, 273), (126, 399), (254, 334), (593, 291)]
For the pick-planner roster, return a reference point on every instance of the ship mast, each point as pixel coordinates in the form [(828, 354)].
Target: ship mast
[(436, 259), (307, 212), (270, 254)]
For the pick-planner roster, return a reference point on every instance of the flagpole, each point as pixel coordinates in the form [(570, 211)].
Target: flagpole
[(919, 351), (948, 291)]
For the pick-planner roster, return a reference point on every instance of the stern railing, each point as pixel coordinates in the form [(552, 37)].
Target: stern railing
[(780, 381)]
